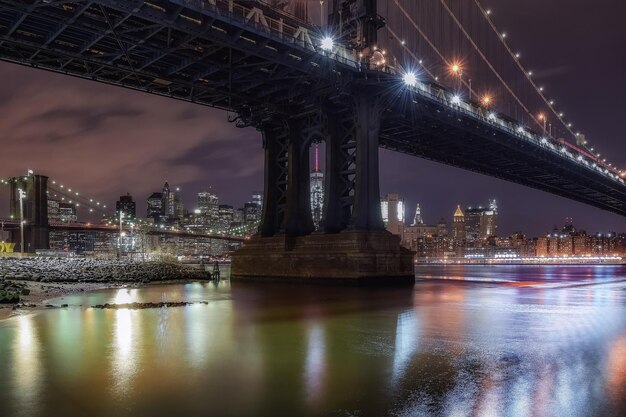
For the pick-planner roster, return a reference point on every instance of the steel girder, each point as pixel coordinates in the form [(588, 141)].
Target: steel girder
[(450, 137), (165, 48)]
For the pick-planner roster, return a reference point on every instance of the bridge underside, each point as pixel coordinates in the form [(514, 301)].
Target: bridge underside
[(429, 130)]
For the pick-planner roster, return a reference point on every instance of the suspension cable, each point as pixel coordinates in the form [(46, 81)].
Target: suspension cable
[(526, 74), (482, 55)]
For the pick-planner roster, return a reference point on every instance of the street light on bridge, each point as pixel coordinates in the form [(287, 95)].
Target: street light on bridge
[(410, 79), (22, 195), (328, 43), (544, 119)]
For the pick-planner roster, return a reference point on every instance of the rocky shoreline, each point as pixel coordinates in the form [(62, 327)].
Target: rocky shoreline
[(26, 281)]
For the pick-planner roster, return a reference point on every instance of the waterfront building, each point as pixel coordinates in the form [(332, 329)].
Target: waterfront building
[(605, 244), (127, 207), (582, 244), (413, 233)]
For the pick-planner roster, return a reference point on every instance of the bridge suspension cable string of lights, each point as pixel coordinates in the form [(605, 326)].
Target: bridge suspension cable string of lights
[(426, 38), (66, 192), (489, 64), (527, 74), (450, 64), (411, 81), (79, 202), (537, 119), (411, 53)]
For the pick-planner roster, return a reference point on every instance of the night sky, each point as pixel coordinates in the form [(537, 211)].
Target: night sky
[(105, 141)]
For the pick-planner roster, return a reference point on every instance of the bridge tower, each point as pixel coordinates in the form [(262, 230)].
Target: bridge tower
[(351, 244), (356, 23), (35, 206)]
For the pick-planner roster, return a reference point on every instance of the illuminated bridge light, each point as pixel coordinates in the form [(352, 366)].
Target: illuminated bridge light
[(456, 99), (328, 43), (456, 68), (492, 116), (410, 79)]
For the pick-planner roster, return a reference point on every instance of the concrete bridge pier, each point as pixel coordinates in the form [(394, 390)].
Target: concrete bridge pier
[(352, 246)]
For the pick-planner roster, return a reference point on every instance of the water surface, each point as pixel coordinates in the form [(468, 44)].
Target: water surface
[(464, 341)]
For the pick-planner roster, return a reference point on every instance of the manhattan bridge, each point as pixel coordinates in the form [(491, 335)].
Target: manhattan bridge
[(435, 79)]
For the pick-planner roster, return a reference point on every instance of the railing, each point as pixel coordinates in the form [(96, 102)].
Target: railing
[(279, 28)]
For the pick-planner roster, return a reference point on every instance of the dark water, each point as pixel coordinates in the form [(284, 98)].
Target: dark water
[(484, 341)]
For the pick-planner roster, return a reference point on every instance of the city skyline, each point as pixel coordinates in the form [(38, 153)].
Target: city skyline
[(112, 141)]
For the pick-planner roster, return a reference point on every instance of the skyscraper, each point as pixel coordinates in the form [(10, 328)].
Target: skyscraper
[(173, 209), (155, 207), (481, 222), (458, 225), (257, 198), (67, 213), (226, 216), (168, 201), (442, 228), (392, 209), (208, 205), (317, 191), (127, 206), (251, 213), (418, 216)]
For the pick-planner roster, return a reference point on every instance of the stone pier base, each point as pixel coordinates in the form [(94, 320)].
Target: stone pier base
[(353, 258)]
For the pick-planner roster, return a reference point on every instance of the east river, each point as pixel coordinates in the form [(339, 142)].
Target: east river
[(464, 341)]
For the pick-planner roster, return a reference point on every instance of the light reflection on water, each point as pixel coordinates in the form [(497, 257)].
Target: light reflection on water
[(447, 348)]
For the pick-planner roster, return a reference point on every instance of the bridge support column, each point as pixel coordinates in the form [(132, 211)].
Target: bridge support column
[(366, 214), (298, 219), (340, 172), (352, 246), (275, 139)]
